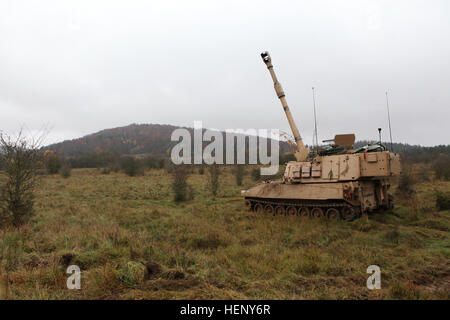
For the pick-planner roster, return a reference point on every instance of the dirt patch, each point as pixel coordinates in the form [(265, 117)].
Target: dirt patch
[(174, 275), (152, 269), (66, 259)]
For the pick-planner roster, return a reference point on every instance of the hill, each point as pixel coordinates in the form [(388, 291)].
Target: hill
[(152, 139)]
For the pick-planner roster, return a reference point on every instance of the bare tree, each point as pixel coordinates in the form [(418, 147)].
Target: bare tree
[(20, 160)]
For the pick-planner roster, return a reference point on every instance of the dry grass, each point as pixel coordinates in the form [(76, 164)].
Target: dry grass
[(101, 222)]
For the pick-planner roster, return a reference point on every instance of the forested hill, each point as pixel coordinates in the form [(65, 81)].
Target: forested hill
[(152, 139)]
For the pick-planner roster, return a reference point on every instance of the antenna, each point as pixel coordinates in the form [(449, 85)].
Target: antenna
[(315, 139), (389, 119)]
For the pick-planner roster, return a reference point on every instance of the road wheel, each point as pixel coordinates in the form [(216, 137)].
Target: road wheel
[(291, 211), (317, 213), (248, 205), (268, 209), (348, 213), (304, 212), (259, 208), (280, 211), (333, 213)]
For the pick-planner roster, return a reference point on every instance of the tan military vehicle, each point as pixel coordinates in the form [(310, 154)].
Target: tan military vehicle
[(333, 181)]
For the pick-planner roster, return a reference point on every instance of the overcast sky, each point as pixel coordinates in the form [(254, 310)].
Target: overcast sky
[(77, 67)]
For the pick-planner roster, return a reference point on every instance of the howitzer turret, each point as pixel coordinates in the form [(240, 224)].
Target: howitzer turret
[(335, 182)]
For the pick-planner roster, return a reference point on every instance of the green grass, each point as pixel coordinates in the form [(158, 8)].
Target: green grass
[(224, 252)]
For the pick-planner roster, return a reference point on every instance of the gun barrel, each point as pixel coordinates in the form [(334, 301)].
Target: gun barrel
[(302, 151)]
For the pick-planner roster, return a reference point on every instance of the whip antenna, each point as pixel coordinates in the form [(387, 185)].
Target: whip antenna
[(315, 139), (389, 119)]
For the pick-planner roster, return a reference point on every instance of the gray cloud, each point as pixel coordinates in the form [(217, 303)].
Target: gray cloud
[(82, 66)]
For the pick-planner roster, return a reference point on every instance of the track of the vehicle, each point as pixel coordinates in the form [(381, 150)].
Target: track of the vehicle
[(314, 209)]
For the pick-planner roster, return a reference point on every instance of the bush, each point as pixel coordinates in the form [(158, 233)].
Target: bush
[(65, 171), (114, 166), (256, 174), (131, 166), (154, 162), (442, 200), (201, 170), (52, 163), (96, 160), (441, 167), (406, 181), (239, 174), (181, 190), (214, 173), (105, 170), (21, 161)]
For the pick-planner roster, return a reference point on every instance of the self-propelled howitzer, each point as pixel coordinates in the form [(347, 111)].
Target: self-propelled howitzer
[(334, 181)]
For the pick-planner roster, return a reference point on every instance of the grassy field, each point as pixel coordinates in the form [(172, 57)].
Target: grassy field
[(211, 248)]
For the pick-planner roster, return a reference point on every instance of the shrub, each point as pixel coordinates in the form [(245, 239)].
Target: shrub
[(181, 190), (442, 200), (105, 170), (201, 170), (406, 181), (256, 174), (114, 166), (95, 160), (162, 163), (153, 162), (65, 171), (21, 161), (441, 167), (52, 163), (131, 166), (214, 173), (239, 174)]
